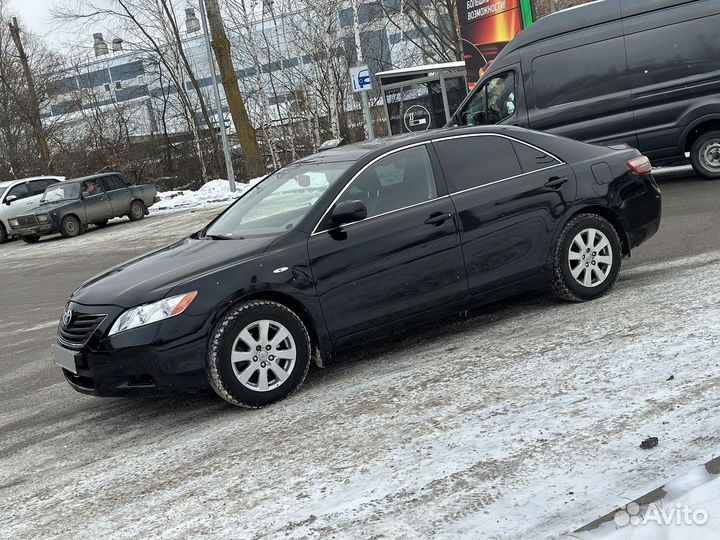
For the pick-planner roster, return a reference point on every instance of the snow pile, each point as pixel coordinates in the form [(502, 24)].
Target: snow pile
[(213, 193)]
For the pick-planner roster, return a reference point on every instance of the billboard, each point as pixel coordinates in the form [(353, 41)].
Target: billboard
[(486, 27)]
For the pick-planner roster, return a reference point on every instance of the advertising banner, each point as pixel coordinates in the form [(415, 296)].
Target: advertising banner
[(486, 27)]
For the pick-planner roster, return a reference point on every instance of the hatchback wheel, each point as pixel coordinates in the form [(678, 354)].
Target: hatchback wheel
[(137, 211), (259, 353), (587, 259), (70, 226), (705, 155)]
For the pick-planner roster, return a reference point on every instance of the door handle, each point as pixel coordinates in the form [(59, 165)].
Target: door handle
[(555, 182), (438, 218)]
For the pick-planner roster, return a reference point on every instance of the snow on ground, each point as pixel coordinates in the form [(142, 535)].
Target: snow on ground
[(523, 421), (212, 193)]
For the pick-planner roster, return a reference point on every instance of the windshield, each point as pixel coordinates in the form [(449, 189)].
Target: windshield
[(491, 103), (279, 202), (61, 192)]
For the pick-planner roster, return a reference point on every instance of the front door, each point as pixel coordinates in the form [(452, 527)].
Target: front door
[(510, 198), (96, 202), (403, 261)]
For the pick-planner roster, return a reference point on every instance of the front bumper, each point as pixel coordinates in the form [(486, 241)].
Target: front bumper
[(35, 230), (164, 357)]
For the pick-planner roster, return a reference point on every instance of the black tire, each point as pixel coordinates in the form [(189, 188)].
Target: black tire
[(101, 224), (3, 234), (70, 227), (564, 284), (220, 369), (32, 239), (137, 210), (705, 155)]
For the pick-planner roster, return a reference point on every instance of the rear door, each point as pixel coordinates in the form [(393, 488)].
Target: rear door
[(118, 193), (510, 198), (403, 260)]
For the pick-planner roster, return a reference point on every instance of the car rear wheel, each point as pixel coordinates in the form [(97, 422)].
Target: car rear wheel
[(101, 224), (587, 259), (137, 211), (32, 239), (70, 227), (259, 353), (705, 155)]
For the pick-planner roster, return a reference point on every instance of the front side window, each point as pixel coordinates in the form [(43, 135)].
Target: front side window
[(402, 179), (61, 192), (278, 203), (20, 191), (491, 103)]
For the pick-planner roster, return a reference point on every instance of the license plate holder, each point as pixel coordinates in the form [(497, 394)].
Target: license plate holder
[(65, 358)]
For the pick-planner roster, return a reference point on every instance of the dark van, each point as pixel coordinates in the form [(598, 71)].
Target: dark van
[(641, 72)]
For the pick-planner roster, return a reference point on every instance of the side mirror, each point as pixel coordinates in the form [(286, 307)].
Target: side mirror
[(10, 198), (348, 212)]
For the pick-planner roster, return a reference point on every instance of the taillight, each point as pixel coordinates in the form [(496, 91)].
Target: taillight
[(640, 165)]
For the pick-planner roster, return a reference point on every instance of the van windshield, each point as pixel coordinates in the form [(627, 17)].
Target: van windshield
[(491, 103)]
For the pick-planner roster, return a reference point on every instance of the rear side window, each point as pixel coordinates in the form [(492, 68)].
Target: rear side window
[(112, 182), (532, 159), (470, 162), (37, 187), (580, 73)]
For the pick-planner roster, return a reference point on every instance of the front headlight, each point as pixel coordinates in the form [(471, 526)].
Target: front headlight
[(150, 313), (43, 218), (13, 222)]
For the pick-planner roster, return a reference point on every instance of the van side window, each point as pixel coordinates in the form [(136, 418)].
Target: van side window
[(492, 103), (580, 73), (532, 159), (470, 162)]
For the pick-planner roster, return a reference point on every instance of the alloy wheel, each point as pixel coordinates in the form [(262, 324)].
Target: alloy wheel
[(590, 257), (263, 355)]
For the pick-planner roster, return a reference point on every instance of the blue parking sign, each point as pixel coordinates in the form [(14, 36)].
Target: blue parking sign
[(361, 81)]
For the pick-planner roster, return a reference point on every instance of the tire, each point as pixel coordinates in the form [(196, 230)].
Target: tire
[(3, 234), (70, 227), (570, 279), (32, 239), (137, 210), (705, 155), (240, 330), (101, 224)]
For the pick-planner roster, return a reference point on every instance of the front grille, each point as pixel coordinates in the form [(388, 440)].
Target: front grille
[(25, 221), (78, 331)]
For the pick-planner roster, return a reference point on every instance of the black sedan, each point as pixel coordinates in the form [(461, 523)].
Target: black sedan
[(353, 244)]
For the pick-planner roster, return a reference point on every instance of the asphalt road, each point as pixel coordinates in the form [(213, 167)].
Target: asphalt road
[(36, 407)]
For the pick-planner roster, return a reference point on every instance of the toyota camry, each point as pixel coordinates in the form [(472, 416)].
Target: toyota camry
[(356, 243)]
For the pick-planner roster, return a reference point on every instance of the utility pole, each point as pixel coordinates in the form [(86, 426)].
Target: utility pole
[(218, 103), (32, 94), (221, 45), (358, 50)]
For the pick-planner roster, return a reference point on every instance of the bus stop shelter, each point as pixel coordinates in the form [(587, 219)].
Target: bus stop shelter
[(423, 97)]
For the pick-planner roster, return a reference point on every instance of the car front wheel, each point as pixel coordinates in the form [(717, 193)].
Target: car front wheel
[(259, 353), (587, 259), (70, 226), (3, 234), (137, 211)]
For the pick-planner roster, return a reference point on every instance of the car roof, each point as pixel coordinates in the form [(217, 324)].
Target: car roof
[(91, 177), (8, 183), (360, 150)]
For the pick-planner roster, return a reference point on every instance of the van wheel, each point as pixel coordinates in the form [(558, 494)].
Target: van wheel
[(70, 227), (259, 353), (137, 211), (705, 155), (587, 259)]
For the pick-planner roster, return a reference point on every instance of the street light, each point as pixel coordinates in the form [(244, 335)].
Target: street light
[(218, 103)]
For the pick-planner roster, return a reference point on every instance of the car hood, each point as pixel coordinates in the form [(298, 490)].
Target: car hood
[(49, 207), (152, 276)]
